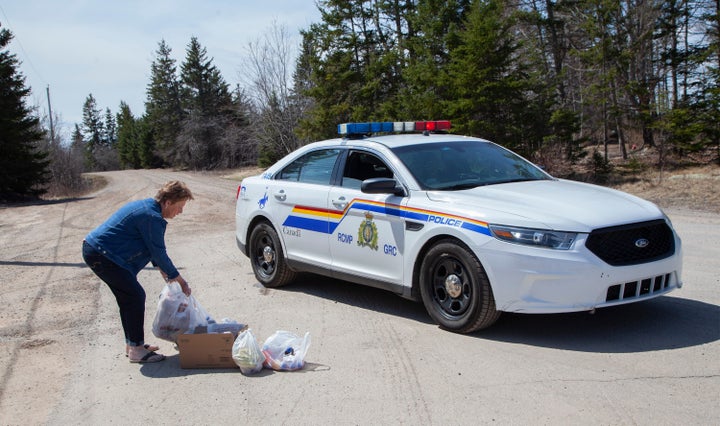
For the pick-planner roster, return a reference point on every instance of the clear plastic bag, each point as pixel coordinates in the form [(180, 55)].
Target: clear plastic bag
[(198, 315), (247, 354), (177, 313), (284, 351)]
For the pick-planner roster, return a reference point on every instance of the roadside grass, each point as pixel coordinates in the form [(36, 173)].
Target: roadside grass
[(694, 188)]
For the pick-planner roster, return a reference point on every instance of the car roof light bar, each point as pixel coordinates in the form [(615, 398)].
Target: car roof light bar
[(359, 129), (432, 126)]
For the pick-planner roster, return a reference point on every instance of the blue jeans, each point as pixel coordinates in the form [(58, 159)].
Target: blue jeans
[(129, 294)]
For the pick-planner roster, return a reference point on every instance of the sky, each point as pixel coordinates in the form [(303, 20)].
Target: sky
[(106, 47)]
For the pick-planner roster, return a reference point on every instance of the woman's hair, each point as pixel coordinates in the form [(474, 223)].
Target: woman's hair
[(173, 191)]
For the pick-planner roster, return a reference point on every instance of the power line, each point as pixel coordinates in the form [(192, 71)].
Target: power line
[(16, 39)]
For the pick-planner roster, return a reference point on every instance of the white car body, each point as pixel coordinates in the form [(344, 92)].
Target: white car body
[(380, 239)]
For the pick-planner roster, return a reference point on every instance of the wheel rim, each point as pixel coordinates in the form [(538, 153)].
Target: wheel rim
[(265, 254), (451, 287)]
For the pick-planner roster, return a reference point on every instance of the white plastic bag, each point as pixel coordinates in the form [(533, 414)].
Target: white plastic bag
[(247, 354), (284, 351), (177, 313), (198, 315)]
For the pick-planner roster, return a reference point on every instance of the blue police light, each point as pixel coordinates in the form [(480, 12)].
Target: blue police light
[(350, 129)]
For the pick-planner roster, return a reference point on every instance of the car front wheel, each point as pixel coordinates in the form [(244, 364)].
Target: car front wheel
[(267, 258), (455, 289)]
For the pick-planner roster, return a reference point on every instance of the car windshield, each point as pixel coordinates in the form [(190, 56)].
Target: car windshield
[(451, 166)]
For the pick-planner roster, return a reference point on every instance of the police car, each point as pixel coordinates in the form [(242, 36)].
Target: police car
[(462, 224)]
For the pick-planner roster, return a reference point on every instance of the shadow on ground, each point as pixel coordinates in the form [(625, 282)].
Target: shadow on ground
[(663, 323), (659, 324)]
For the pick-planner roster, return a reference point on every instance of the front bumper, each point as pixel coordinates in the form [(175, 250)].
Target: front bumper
[(532, 280)]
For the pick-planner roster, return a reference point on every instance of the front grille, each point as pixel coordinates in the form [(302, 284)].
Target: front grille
[(638, 289), (632, 244)]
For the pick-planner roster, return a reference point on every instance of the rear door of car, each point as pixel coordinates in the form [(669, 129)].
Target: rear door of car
[(299, 195)]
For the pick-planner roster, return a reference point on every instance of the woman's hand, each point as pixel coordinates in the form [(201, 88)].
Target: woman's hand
[(183, 284)]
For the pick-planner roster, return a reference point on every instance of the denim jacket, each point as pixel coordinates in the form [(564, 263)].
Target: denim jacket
[(133, 236)]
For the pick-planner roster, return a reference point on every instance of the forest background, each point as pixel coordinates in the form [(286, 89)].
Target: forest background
[(591, 90)]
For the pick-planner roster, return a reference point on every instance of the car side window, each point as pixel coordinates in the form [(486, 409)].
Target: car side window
[(314, 167), (362, 165)]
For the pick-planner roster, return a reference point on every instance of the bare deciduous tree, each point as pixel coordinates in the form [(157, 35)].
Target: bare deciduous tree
[(268, 75), (66, 162)]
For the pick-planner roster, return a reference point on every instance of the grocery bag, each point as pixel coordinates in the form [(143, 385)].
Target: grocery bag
[(284, 351), (177, 313), (247, 354)]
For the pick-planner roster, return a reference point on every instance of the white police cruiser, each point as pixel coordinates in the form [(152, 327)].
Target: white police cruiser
[(462, 224)]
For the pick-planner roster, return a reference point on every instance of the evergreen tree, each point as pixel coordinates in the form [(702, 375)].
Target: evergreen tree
[(164, 113), (23, 167), (490, 90), (203, 91), (353, 64), (93, 132), (332, 81), (145, 144), (127, 143), (77, 143), (110, 129), (206, 100), (302, 84), (433, 32), (135, 144), (76, 140)]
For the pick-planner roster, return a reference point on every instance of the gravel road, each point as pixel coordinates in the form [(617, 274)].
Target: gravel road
[(375, 358)]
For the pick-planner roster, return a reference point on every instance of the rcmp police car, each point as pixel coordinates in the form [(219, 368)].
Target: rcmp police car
[(467, 227)]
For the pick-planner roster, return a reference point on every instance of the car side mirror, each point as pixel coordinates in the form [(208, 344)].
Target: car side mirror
[(382, 186)]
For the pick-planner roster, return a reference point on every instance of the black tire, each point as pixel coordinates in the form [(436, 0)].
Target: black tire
[(455, 288), (267, 257)]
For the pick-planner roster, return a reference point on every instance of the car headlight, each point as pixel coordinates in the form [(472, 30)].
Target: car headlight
[(534, 237)]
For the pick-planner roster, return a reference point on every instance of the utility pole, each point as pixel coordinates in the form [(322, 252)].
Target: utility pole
[(52, 129)]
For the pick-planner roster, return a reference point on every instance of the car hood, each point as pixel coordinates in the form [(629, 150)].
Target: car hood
[(559, 204)]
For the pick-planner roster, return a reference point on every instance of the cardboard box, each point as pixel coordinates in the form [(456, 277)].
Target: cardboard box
[(207, 350)]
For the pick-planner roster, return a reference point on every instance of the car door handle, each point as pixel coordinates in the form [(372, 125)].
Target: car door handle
[(340, 203), (280, 195)]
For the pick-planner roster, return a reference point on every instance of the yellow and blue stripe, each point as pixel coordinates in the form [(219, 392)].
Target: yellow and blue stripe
[(326, 220)]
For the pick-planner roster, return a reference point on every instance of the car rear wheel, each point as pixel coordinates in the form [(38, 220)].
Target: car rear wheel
[(267, 257), (455, 289)]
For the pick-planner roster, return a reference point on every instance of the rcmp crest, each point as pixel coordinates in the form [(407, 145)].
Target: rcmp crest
[(367, 233)]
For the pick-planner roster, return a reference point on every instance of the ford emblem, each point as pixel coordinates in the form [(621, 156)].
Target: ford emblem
[(642, 242)]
